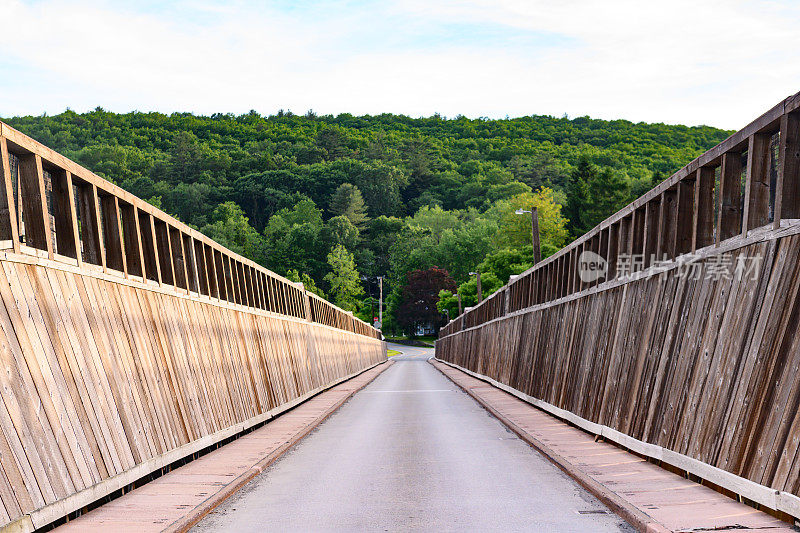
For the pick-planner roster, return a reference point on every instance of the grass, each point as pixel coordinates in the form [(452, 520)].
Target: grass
[(428, 339)]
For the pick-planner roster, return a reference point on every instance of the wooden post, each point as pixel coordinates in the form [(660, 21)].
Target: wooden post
[(478, 278), (651, 225), (112, 236), (132, 247), (9, 224), (702, 213), (97, 227), (90, 225), (787, 187), (74, 218), (756, 193), (30, 180), (684, 222), (63, 212), (155, 248), (669, 221), (637, 236), (459, 303), (729, 212), (623, 243), (613, 250)]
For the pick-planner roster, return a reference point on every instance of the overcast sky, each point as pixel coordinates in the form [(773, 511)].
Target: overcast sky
[(721, 63)]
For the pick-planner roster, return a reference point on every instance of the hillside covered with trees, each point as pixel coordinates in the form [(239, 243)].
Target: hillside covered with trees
[(336, 201)]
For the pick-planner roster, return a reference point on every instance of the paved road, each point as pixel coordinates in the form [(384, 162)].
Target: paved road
[(412, 452)]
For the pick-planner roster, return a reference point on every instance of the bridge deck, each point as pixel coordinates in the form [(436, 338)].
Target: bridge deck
[(412, 452), (649, 496)]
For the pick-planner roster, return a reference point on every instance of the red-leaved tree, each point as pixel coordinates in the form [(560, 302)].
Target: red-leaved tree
[(419, 297)]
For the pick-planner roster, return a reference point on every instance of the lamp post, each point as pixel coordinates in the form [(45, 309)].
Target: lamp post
[(537, 253), (380, 302), (478, 280)]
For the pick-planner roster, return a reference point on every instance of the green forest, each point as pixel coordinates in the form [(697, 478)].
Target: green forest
[(336, 201)]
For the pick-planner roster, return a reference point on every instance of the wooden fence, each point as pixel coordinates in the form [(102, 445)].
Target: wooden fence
[(686, 351), (129, 341)]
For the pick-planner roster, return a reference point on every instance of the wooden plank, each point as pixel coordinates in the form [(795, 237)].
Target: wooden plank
[(134, 259), (34, 203), (651, 236), (63, 203), (9, 227), (90, 225), (729, 212), (684, 225), (112, 233), (637, 237), (787, 188), (756, 199), (669, 225), (702, 216)]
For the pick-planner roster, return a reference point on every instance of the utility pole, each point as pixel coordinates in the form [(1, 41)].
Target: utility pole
[(537, 252), (477, 273), (380, 302)]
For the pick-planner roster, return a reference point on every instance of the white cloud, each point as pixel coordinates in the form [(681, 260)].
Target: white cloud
[(716, 62)]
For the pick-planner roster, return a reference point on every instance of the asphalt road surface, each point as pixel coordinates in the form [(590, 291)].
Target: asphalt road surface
[(412, 452)]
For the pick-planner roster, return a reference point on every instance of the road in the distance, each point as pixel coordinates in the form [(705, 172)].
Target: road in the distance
[(412, 452)]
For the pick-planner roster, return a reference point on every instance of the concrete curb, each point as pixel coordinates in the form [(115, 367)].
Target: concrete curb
[(623, 508), (199, 512)]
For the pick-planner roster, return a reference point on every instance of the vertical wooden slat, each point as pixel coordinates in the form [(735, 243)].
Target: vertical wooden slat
[(623, 245), (222, 285), (211, 265), (164, 246), (729, 212), (132, 248), (612, 251), (756, 193), (74, 218), (201, 268), (703, 212), (684, 224), (651, 225), (8, 210), (787, 188), (669, 219), (34, 203), (95, 199), (63, 213), (112, 236), (637, 236), (156, 248), (90, 225)]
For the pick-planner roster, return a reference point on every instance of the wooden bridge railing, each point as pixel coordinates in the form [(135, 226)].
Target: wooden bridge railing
[(51, 207), (687, 351), (129, 341), (748, 181)]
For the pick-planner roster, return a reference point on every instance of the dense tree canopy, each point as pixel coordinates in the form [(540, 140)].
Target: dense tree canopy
[(390, 193)]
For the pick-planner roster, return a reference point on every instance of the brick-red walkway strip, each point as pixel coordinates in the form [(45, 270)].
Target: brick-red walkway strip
[(179, 499), (646, 495)]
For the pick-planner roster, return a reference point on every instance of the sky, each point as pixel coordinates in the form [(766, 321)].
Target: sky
[(720, 63)]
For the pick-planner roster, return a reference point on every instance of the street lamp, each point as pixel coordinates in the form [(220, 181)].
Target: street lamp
[(537, 253), (478, 279)]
